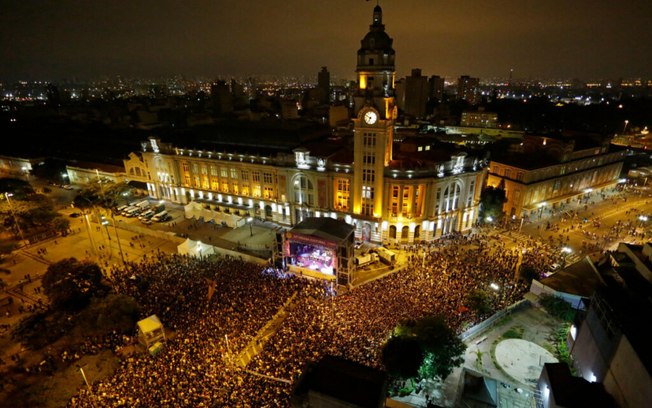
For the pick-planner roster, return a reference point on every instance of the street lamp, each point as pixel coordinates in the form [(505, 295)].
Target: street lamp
[(250, 220), (13, 214), (625, 127)]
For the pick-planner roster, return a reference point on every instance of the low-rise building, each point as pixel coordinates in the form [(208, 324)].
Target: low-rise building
[(553, 172)]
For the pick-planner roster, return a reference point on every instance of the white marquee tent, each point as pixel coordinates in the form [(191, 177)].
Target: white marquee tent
[(195, 248), (197, 210)]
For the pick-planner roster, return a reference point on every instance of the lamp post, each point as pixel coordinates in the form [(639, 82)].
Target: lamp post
[(90, 390), (625, 127), (13, 214)]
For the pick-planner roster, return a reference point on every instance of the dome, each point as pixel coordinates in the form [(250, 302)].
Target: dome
[(377, 41)]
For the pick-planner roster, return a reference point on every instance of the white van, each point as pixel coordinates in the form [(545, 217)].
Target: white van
[(146, 215), (160, 216), (142, 204)]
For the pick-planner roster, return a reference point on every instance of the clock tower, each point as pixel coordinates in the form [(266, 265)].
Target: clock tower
[(373, 124)]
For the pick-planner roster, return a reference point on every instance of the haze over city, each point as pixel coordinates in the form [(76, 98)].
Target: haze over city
[(43, 40)]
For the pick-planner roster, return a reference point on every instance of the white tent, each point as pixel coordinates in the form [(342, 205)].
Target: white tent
[(193, 210), (186, 247), (195, 248)]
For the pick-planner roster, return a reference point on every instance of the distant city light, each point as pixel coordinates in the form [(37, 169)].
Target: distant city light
[(494, 286)]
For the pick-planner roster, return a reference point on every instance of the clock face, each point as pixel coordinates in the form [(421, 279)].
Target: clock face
[(370, 117)]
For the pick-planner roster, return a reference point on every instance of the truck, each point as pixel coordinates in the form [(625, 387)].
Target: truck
[(365, 259), (386, 256)]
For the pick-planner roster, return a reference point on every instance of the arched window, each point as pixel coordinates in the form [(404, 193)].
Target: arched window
[(405, 233), (304, 192), (392, 231), (451, 198)]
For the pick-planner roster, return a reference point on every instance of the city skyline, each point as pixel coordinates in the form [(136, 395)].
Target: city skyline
[(56, 40)]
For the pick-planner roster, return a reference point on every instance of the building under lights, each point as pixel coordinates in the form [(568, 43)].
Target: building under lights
[(552, 172), (387, 193)]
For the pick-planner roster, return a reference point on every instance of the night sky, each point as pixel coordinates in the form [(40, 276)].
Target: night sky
[(587, 39)]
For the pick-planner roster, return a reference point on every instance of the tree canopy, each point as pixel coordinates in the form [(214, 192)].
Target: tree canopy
[(70, 284), (402, 356), (491, 203), (442, 350)]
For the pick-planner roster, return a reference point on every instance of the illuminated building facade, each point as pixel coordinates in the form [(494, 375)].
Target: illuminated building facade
[(388, 196), (552, 172)]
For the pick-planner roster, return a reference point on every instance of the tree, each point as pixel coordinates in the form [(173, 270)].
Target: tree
[(115, 312), (444, 349), (491, 203), (557, 307), (70, 284), (402, 356), (479, 301), (528, 273), (61, 225)]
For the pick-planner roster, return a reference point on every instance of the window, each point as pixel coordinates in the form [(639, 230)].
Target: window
[(234, 188), (186, 167), (268, 192), (225, 187), (256, 191), (395, 190), (342, 194), (244, 175), (213, 171), (368, 159), (234, 174), (195, 168), (369, 140), (255, 176), (204, 170), (245, 190), (303, 190), (367, 192), (368, 209), (267, 178), (224, 172), (450, 200), (368, 176)]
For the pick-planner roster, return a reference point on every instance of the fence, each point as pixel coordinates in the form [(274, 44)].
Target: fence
[(171, 236), (490, 322)]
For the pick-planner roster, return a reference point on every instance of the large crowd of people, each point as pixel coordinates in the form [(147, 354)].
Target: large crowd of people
[(197, 366)]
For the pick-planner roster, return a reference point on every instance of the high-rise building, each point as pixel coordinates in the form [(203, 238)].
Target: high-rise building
[(416, 94), (221, 97), (436, 87), (467, 88), (324, 85)]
